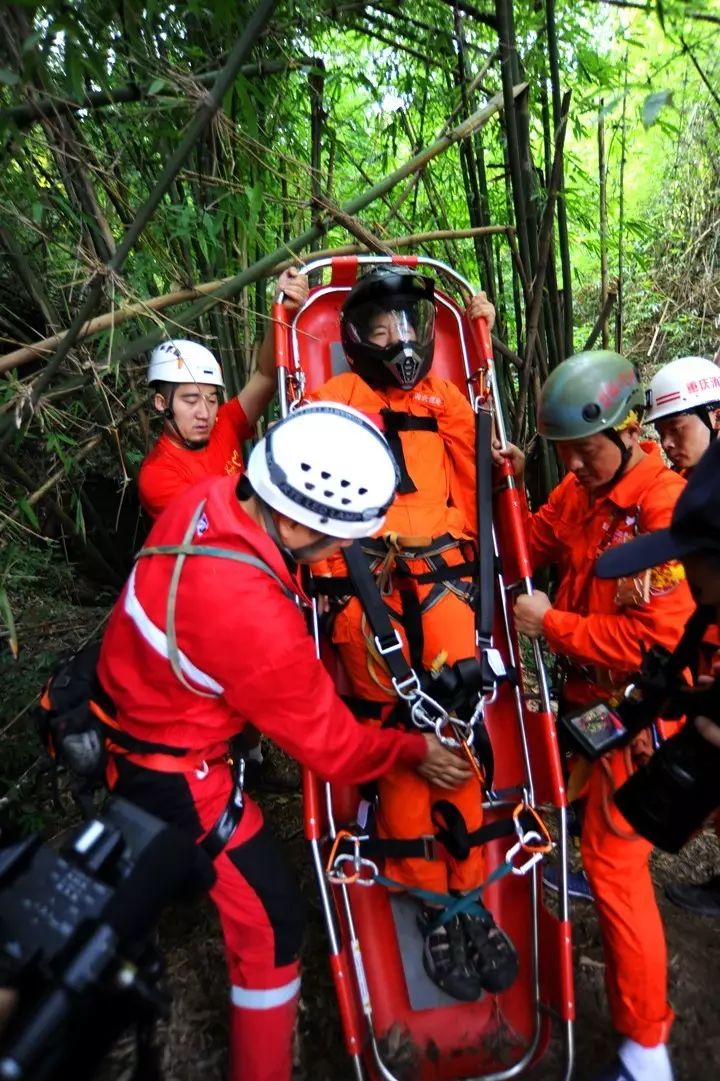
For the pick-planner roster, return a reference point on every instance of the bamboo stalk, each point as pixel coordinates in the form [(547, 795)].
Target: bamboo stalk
[(602, 185), (619, 312), (563, 239), (601, 321), (545, 238)]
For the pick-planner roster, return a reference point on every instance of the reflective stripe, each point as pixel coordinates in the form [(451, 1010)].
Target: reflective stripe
[(158, 639), (269, 999)]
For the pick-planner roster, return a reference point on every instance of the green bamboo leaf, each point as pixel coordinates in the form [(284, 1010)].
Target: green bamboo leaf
[(29, 513), (653, 104), (10, 78), (6, 612), (156, 86), (80, 519)]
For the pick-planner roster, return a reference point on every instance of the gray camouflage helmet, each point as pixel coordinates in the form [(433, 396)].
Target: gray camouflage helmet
[(588, 393)]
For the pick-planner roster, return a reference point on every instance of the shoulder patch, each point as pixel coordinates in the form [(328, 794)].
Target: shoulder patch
[(666, 577)]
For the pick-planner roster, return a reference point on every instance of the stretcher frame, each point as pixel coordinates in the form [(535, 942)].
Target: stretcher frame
[(551, 986)]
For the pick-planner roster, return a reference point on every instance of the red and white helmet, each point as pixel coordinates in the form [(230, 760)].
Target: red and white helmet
[(183, 361), (328, 467), (685, 385)]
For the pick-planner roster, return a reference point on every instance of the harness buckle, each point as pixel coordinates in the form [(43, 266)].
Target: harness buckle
[(430, 847), (383, 650), (407, 689)]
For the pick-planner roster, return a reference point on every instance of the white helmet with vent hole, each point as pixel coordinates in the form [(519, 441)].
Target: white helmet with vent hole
[(183, 361), (328, 467)]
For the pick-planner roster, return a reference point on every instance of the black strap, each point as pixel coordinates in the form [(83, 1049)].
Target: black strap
[(426, 848), (446, 573), (386, 637), (140, 746), (394, 423), (221, 832), (411, 619), (485, 600)]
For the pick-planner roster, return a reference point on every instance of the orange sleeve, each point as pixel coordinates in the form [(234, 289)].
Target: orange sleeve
[(614, 640), (457, 428), (540, 527)]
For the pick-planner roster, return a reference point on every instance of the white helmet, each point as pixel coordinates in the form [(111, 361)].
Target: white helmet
[(328, 467), (682, 386), (182, 361)]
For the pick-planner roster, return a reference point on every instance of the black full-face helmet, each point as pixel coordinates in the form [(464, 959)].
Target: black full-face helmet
[(387, 327)]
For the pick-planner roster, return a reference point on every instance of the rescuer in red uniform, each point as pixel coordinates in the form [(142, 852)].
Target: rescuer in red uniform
[(207, 637)]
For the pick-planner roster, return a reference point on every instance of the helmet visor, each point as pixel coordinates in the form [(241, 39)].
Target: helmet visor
[(407, 321)]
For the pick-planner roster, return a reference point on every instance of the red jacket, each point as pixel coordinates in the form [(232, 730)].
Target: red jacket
[(243, 642), (169, 469), (587, 622)]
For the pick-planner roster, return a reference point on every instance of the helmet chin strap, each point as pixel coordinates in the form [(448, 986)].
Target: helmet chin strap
[(189, 444), (704, 413), (625, 455)]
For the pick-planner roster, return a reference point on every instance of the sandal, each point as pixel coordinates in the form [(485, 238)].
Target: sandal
[(445, 956), (490, 950)]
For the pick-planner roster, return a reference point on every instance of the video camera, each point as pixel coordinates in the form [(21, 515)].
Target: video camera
[(76, 930), (669, 797)]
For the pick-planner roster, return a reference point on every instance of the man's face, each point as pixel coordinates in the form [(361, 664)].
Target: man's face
[(295, 537), (389, 328), (195, 408), (684, 438), (594, 460), (703, 575)]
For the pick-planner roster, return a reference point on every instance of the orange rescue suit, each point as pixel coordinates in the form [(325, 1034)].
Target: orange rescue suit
[(599, 626), (441, 464)]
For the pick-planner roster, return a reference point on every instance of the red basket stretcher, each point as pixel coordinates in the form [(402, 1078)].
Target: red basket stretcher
[(397, 1024)]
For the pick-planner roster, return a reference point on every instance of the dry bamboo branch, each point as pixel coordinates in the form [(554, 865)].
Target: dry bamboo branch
[(121, 315), (269, 263)]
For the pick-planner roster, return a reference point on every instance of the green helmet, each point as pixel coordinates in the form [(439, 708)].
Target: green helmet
[(588, 393)]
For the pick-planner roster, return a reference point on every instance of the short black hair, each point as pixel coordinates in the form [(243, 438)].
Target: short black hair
[(161, 386)]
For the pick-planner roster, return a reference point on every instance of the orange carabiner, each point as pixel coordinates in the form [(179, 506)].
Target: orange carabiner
[(340, 836), (477, 769), (545, 843)]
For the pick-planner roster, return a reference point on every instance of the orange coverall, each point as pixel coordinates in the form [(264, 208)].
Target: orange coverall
[(599, 626), (442, 467)]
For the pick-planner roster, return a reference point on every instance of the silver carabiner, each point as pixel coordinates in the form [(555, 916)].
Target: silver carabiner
[(534, 858)]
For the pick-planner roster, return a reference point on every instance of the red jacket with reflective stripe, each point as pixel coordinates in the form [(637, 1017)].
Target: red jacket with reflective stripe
[(243, 641), (586, 623), (169, 469)]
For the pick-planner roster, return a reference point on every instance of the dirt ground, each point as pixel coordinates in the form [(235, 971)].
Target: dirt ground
[(196, 1038)]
